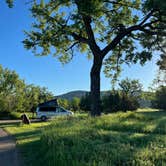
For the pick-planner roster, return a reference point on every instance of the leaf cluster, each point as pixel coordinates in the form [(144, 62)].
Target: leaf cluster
[(122, 31), (10, 3)]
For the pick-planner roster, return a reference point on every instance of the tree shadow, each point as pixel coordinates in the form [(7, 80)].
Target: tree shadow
[(6, 124), (102, 145), (153, 113), (109, 148)]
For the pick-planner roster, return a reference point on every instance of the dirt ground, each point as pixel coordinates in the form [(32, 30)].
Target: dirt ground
[(8, 151)]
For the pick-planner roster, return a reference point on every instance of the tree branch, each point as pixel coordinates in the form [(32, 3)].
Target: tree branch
[(79, 38), (141, 27), (87, 22), (72, 46), (147, 17), (118, 3), (149, 24), (91, 38), (118, 38), (148, 31)]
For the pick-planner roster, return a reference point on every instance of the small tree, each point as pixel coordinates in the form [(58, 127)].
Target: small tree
[(131, 92), (11, 91), (64, 103), (131, 88), (75, 104), (35, 95)]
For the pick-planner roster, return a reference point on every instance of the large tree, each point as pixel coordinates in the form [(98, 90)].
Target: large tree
[(114, 31)]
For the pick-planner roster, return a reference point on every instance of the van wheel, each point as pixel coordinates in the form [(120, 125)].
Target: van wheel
[(43, 118)]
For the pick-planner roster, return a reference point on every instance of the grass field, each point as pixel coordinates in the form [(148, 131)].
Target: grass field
[(124, 139), (15, 115)]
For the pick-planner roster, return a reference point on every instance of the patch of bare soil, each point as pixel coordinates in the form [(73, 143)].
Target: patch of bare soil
[(8, 151)]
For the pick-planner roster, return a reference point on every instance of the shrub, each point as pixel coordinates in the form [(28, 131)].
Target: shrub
[(160, 98), (85, 103), (117, 101)]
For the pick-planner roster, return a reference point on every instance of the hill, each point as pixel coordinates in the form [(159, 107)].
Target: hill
[(78, 93), (72, 94)]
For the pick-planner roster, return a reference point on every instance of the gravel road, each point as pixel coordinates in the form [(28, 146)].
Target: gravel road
[(8, 151)]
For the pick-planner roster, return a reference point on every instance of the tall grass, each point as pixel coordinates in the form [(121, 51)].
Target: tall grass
[(116, 139), (119, 139)]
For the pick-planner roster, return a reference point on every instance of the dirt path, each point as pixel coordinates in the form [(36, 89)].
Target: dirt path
[(8, 152)]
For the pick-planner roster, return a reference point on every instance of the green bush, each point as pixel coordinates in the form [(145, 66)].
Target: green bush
[(160, 98), (85, 102), (118, 101)]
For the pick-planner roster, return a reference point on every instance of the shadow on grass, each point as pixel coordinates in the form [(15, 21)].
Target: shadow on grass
[(135, 140), (161, 126), (111, 144), (102, 148), (88, 147), (28, 143), (139, 122), (27, 135), (6, 124), (30, 152)]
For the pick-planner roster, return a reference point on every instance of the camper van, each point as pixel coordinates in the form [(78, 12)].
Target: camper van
[(51, 109)]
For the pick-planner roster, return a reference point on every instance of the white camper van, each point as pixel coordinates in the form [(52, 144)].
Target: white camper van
[(46, 112)]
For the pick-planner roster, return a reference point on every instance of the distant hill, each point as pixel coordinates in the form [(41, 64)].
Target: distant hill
[(72, 94), (79, 94), (144, 103)]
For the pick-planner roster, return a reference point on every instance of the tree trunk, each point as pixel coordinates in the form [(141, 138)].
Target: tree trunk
[(95, 87)]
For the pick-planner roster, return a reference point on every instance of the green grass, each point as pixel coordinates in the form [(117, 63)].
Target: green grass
[(27, 139), (124, 139), (15, 115)]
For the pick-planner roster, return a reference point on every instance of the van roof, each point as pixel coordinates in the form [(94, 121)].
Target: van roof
[(50, 103)]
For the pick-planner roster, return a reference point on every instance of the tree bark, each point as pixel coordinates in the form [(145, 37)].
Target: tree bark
[(95, 87)]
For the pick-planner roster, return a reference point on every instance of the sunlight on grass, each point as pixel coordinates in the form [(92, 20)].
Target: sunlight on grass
[(132, 138)]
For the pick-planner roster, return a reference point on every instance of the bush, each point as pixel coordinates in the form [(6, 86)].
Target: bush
[(75, 104), (64, 103), (117, 101), (85, 103), (129, 103), (160, 98), (111, 103)]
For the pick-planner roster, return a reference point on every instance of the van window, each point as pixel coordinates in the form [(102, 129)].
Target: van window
[(62, 110), (47, 109), (59, 109)]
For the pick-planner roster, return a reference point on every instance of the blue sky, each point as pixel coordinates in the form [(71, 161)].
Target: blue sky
[(47, 71)]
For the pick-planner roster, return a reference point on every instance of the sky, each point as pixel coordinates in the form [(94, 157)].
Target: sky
[(48, 71)]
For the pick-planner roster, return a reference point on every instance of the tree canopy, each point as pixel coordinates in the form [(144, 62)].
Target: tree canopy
[(69, 25), (16, 95), (113, 31)]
